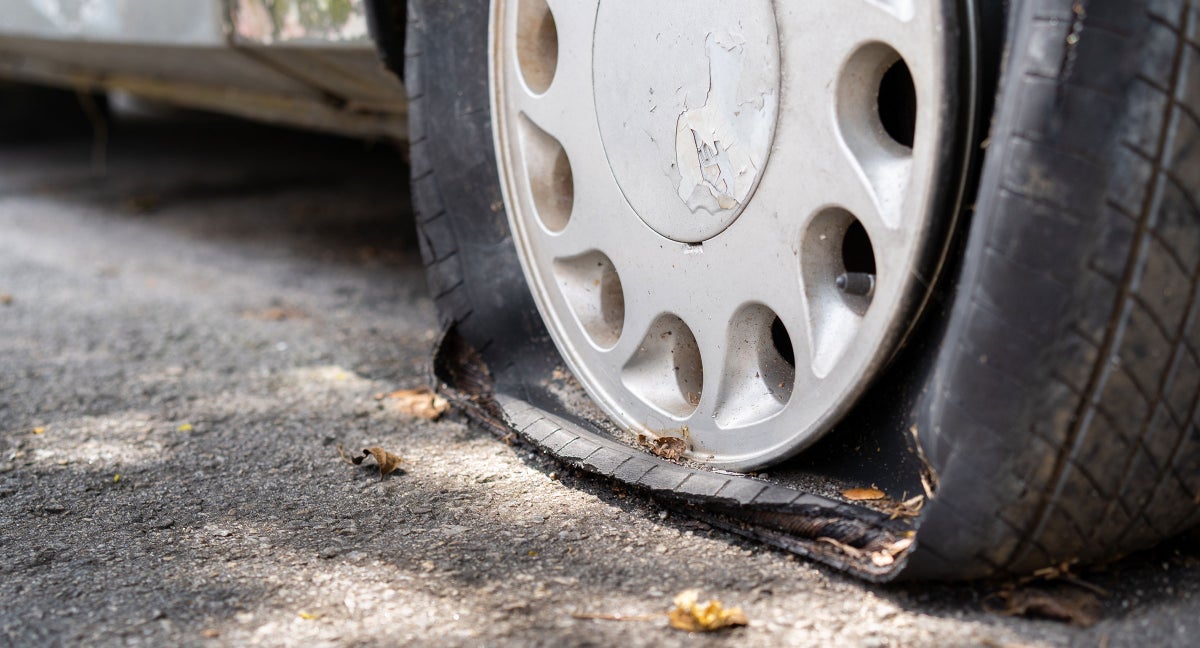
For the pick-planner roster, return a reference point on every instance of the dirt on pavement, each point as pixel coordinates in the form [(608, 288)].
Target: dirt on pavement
[(195, 323)]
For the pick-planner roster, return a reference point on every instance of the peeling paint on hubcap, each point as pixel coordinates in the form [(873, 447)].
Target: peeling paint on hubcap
[(687, 106)]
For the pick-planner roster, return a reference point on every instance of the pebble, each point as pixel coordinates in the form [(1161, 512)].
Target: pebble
[(885, 611)]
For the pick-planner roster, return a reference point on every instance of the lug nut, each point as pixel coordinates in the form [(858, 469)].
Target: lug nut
[(861, 284)]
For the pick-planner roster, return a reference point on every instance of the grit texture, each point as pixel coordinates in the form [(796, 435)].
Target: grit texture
[(192, 323)]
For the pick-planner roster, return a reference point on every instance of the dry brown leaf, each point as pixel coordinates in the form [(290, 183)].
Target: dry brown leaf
[(690, 615), (667, 447), (388, 462), (6, 299), (1058, 603), (422, 402), (863, 494)]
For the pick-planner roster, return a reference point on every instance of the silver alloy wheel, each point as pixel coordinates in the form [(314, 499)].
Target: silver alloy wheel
[(726, 212)]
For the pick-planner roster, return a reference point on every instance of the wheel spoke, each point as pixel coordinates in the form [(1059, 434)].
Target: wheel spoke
[(598, 212), (829, 31)]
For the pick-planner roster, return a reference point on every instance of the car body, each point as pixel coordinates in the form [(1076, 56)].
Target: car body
[(309, 64)]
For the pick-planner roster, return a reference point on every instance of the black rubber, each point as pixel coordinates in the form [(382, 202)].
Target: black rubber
[(1053, 385), (472, 269), (1062, 414)]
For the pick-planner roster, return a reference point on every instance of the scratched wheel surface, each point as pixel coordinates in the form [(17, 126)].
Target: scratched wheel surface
[(726, 214)]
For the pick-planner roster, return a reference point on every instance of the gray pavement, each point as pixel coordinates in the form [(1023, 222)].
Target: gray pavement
[(190, 333)]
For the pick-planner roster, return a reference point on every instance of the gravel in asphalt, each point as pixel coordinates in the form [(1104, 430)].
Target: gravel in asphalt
[(192, 325)]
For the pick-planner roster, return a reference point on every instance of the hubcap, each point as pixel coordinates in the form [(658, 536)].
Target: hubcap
[(726, 211), (687, 142)]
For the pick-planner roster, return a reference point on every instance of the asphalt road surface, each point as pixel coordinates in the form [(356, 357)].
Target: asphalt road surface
[(194, 318)]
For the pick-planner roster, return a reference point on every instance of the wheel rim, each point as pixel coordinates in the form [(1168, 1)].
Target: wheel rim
[(727, 230)]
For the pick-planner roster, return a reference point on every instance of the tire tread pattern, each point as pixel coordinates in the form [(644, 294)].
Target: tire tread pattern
[(1065, 421)]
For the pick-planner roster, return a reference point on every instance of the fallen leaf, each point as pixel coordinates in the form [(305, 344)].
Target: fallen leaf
[(691, 615), (667, 447), (388, 462), (1057, 602), (116, 478), (422, 402), (184, 427), (863, 494), (39, 430), (6, 299), (309, 615), (210, 633)]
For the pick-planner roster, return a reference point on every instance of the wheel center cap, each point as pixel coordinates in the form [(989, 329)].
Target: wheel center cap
[(687, 95)]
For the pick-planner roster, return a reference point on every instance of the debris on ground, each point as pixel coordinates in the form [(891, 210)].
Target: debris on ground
[(6, 299), (881, 557), (863, 494), (905, 507), (1054, 601), (691, 615), (908, 508), (853, 552), (887, 555), (667, 447), (421, 402), (1062, 572), (388, 462)]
